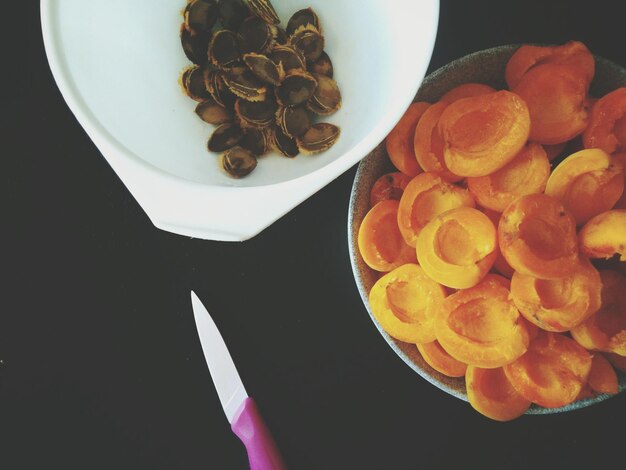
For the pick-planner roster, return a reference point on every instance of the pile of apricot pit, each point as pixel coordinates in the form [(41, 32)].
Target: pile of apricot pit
[(500, 241)]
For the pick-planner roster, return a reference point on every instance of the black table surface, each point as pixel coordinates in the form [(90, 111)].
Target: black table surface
[(100, 364)]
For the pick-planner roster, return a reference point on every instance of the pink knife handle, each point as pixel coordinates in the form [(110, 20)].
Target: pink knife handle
[(249, 426)]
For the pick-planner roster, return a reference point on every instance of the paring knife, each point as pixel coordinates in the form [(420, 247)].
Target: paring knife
[(241, 410)]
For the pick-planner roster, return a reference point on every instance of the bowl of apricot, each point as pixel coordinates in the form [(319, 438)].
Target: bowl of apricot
[(487, 233)]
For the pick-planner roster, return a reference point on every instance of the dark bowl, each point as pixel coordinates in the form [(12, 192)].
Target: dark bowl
[(484, 67)]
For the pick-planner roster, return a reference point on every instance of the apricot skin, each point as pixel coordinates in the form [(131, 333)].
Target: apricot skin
[(491, 394), (556, 100), (399, 142), (483, 133), (428, 144), (606, 330), (537, 237), (607, 124), (380, 242), (405, 301), (553, 371), (604, 235), (587, 182), (389, 186), (437, 358), (602, 378), (425, 197)]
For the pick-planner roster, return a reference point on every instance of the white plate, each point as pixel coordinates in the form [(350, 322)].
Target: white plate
[(117, 64)]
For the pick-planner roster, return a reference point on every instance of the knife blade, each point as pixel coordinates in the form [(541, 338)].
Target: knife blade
[(240, 409)]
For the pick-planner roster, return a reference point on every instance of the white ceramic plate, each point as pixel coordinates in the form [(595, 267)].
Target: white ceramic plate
[(117, 64)]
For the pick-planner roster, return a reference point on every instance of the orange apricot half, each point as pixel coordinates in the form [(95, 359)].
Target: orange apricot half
[(425, 197), (483, 133), (527, 173), (587, 182), (437, 358), (604, 235), (399, 142), (481, 326), (556, 99), (466, 90), (619, 362), (389, 186), (602, 378), (405, 301), (559, 304), (573, 53), (380, 242), (607, 125), (552, 372), (428, 144), (458, 248), (606, 330), (537, 237), (491, 394)]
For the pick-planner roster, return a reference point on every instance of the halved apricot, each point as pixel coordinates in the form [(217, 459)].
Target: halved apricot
[(399, 142), (483, 133), (466, 90), (556, 99), (606, 330), (602, 378), (380, 242), (573, 53), (527, 173), (554, 150), (437, 358), (481, 326), (588, 183), (425, 197), (389, 186), (552, 372), (491, 394), (537, 236), (428, 144), (607, 125), (559, 304), (604, 235), (457, 248), (405, 301)]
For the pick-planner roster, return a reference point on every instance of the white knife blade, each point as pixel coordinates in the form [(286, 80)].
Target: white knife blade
[(229, 387)]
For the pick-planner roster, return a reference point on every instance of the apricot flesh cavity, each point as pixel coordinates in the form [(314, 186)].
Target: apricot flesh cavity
[(425, 197), (404, 303), (527, 173), (480, 326), (537, 237), (457, 248), (552, 372), (483, 133), (607, 124), (380, 242)]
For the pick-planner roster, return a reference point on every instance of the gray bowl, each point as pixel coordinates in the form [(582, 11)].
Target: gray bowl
[(484, 67)]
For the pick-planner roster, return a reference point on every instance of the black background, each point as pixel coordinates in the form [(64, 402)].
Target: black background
[(100, 365)]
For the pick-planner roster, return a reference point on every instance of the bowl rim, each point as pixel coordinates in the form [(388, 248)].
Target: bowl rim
[(99, 133), (354, 255)]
